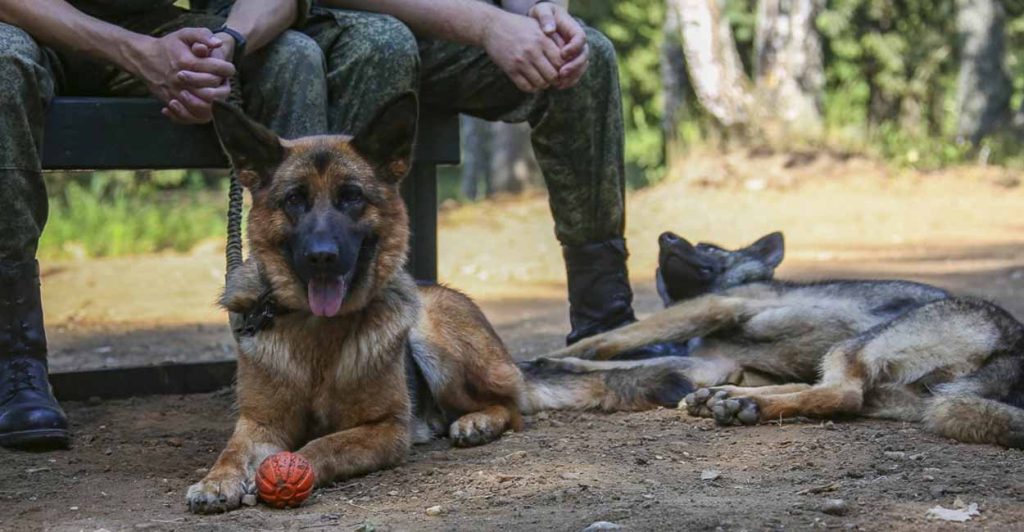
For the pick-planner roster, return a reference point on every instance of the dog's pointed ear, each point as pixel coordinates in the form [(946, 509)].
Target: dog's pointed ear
[(387, 140), (253, 150), (770, 248)]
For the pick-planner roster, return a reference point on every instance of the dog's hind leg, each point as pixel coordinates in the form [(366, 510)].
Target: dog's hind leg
[(683, 321), (983, 407), (701, 402), (933, 344), (484, 426), (841, 391), (973, 419)]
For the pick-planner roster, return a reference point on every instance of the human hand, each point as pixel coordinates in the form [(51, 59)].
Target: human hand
[(556, 22), (158, 61), (194, 105), (525, 53)]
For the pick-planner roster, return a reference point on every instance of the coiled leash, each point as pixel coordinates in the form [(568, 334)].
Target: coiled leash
[(233, 247), (261, 315)]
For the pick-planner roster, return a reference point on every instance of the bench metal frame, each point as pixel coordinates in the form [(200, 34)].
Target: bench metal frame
[(131, 134)]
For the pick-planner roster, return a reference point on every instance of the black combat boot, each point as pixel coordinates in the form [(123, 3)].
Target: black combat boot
[(29, 414), (600, 298)]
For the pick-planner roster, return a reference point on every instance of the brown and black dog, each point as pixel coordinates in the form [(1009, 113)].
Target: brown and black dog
[(342, 357)]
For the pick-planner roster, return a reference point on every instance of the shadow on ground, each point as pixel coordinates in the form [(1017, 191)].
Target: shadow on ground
[(534, 325)]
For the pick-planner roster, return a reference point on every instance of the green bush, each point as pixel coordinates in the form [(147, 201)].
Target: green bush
[(115, 213)]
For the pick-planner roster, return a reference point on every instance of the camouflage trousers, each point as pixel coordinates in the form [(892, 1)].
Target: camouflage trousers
[(282, 85), (577, 133), (332, 76)]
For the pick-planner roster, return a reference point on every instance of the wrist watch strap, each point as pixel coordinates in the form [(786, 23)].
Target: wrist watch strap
[(239, 42)]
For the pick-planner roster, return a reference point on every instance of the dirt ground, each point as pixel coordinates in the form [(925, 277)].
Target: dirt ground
[(961, 229)]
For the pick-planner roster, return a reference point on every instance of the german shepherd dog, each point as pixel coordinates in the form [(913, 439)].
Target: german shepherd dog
[(763, 349), (341, 356)]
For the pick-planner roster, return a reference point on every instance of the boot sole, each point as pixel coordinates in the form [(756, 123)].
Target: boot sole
[(36, 439)]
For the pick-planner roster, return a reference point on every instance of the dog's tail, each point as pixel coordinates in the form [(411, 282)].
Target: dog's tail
[(575, 384), (973, 419)]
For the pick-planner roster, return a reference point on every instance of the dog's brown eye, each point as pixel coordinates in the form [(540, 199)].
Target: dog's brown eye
[(295, 199), (350, 194)]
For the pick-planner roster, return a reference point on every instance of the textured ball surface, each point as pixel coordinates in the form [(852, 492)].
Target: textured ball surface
[(284, 480)]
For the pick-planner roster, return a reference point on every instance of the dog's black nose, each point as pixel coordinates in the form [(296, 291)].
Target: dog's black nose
[(667, 239), (322, 255)]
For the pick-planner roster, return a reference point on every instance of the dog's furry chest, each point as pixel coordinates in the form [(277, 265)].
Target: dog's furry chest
[(331, 375)]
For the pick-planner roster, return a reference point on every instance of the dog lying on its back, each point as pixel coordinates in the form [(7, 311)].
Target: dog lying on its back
[(764, 350), (341, 356)]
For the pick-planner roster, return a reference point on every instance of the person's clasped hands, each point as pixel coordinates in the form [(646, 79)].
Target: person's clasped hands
[(545, 49), (187, 70)]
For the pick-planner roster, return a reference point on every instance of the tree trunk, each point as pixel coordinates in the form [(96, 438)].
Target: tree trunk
[(476, 156), (713, 64), (983, 87), (674, 82), (513, 166), (788, 63)]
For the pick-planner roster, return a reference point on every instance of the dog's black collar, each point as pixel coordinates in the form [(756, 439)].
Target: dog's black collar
[(261, 315)]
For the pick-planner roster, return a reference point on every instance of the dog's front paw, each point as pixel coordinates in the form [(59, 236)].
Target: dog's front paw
[(214, 495), (474, 429)]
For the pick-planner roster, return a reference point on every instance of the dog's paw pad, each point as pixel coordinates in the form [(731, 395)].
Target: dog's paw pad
[(696, 403), (473, 429), (736, 411), (211, 496)]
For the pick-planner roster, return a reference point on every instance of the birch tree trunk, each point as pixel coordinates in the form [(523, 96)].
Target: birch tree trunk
[(983, 87), (714, 66), (788, 63), (674, 82)]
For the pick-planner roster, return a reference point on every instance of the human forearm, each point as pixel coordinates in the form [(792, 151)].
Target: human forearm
[(464, 21), (57, 24), (522, 7), (260, 21)]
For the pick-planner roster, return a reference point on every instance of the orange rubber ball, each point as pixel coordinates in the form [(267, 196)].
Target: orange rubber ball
[(284, 480)]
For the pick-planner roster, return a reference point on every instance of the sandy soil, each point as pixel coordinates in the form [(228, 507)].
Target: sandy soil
[(961, 229)]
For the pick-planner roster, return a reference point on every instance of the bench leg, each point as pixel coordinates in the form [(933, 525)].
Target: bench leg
[(420, 193)]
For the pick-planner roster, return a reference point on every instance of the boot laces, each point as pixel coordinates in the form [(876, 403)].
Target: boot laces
[(20, 377)]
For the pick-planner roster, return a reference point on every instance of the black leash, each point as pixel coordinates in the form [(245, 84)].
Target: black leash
[(261, 315)]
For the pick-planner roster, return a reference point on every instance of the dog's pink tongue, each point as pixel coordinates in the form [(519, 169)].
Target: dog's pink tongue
[(326, 296)]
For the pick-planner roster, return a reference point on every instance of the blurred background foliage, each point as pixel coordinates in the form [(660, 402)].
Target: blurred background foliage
[(890, 71), (109, 213)]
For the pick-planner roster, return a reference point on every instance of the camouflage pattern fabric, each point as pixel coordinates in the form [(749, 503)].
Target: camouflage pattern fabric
[(331, 74), (577, 133), (283, 85)]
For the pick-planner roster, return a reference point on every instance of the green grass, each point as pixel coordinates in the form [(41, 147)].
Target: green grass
[(110, 214)]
